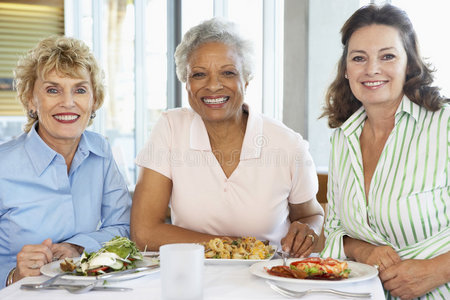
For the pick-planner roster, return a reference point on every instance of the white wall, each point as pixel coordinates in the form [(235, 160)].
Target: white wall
[(295, 65), (324, 50), (312, 49)]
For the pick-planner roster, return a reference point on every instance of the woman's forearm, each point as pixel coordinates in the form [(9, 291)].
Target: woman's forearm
[(315, 222), (356, 249), (441, 267), (152, 238), (310, 213)]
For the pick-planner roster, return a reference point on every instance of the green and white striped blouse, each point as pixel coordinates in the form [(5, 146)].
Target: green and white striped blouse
[(407, 206)]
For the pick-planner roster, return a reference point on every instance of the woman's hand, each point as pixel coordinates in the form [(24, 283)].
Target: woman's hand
[(413, 278), (381, 256), (31, 258), (410, 278), (306, 225), (64, 250), (300, 240)]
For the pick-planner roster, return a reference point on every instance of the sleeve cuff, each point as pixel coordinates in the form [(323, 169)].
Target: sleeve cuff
[(334, 245)]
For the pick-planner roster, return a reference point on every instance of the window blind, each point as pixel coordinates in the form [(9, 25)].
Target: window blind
[(22, 25)]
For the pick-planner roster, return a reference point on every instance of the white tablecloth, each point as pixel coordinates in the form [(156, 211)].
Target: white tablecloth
[(220, 282)]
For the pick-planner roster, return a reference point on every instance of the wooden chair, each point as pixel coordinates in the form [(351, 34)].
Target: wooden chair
[(322, 198)]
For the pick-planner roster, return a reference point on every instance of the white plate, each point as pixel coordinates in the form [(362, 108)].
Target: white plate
[(359, 272), (226, 261), (53, 269)]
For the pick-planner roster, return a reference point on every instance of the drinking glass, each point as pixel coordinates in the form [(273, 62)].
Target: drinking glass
[(182, 271)]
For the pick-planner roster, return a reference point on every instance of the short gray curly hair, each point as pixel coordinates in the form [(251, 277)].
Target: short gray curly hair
[(210, 31)]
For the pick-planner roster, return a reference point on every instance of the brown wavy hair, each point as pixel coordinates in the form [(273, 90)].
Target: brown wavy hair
[(67, 56), (340, 103)]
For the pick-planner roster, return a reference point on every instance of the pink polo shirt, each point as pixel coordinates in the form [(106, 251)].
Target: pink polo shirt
[(274, 168)]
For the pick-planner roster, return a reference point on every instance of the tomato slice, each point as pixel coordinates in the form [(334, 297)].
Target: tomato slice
[(98, 270), (314, 260)]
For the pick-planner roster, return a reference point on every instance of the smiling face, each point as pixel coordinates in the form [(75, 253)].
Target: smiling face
[(64, 106), (376, 65), (215, 85)]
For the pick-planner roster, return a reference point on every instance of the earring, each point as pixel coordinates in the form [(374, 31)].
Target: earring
[(32, 114), (346, 76), (93, 115)]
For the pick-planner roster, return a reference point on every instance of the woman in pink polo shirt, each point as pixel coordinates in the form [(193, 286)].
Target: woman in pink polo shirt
[(224, 169)]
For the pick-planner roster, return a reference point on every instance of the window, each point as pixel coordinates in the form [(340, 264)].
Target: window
[(324, 49), (132, 38), (430, 23), (22, 26)]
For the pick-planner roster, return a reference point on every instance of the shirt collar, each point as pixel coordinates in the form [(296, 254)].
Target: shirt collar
[(354, 121), (253, 139), (92, 142), (41, 155), (409, 107), (199, 139), (358, 117)]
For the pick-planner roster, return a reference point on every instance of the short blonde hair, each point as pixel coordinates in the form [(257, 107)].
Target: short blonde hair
[(65, 55)]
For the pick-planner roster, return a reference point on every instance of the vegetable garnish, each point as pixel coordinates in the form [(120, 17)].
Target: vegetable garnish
[(313, 268), (117, 254)]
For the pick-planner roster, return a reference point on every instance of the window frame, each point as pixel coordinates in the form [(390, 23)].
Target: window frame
[(272, 56)]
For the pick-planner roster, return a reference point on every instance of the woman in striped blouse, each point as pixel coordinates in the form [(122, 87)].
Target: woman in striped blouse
[(388, 188)]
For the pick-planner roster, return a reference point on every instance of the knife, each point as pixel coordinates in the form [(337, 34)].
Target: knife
[(64, 286), (124, 272)]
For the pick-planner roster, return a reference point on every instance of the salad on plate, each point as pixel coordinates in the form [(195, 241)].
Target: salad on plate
[(118, 254)]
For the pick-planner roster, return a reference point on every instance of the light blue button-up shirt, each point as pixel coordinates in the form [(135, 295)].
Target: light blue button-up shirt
[(39, 200)]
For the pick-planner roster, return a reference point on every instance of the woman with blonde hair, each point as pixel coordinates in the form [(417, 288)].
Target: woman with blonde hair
[(61, 192)]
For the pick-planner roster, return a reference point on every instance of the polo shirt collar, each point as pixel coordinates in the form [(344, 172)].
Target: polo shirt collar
[(199, 139), (253, 139)]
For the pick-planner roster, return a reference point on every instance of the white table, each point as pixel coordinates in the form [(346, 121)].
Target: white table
[(221, 282)]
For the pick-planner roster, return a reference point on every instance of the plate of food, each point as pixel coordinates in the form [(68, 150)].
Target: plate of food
[(118, 255), (245, 250), (314, 271)]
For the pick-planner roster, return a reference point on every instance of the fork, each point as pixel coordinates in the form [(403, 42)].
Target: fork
[(284, 255), (80, 289), (47, 282), (294, 294), (88, 287)]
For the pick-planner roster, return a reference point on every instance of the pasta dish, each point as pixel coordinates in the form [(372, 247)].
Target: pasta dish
[(242, 248)]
